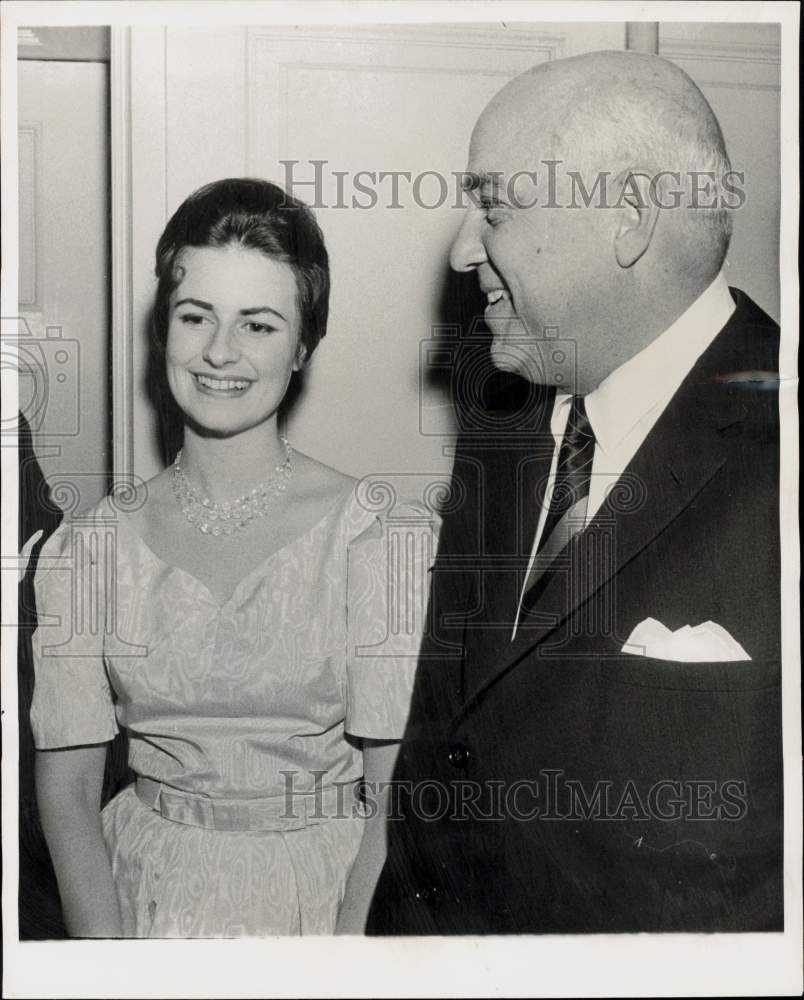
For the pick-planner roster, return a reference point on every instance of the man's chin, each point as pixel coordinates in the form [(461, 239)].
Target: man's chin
[(504, 361), (517, 360), (528, 361)]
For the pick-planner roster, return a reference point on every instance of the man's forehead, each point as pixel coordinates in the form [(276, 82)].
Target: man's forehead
[(506, 140), (489, 170)]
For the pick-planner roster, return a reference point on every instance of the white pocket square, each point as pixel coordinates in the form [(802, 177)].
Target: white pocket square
[(708, 642)]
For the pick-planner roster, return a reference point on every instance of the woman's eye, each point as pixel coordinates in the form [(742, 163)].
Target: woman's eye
[(258, 328), (192, 319)]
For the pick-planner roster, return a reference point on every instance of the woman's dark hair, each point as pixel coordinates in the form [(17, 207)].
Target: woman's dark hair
[(255, 215)]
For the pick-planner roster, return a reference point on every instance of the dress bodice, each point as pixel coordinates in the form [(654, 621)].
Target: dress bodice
[(235, 699)]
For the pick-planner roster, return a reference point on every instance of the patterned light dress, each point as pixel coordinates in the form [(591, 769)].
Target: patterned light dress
[(240, 716)]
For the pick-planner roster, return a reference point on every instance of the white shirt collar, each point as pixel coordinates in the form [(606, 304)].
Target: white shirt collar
[(650, 378)]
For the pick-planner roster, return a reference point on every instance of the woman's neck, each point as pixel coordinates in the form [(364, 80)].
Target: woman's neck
[(227, 467)]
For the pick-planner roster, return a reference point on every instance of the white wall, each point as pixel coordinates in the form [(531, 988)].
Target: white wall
[(211, 103), (738, 69), (64, 272)]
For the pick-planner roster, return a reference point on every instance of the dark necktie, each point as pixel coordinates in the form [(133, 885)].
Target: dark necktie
[(574, 469), (567, 511)]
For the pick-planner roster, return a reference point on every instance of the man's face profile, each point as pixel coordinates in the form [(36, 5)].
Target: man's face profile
[(540, 263)]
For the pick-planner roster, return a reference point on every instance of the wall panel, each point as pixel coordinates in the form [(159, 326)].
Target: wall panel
[(220, 102)]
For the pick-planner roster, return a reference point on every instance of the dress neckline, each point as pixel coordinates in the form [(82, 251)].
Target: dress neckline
[(260, 567)]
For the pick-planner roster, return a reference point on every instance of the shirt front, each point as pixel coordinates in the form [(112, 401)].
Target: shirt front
[(626, 405)]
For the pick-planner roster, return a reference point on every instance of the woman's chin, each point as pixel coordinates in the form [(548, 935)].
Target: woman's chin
[(217, 428)]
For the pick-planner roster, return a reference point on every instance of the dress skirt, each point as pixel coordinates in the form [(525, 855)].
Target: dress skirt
[(176, 880)]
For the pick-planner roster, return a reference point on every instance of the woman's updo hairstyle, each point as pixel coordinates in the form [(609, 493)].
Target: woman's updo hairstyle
[(256, 215)]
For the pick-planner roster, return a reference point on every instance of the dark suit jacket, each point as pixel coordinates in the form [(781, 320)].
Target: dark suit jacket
[(39, 907), (40, 915), (555, 784)]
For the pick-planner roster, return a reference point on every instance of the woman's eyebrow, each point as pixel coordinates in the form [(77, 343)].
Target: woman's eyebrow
[(251, 311), (195, 302), (262, 309)]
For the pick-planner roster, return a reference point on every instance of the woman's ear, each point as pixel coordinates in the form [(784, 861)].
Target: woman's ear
[(639, 212), (301, 357)]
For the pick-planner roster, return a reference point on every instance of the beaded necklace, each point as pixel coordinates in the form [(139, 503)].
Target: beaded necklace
[(231, 515)]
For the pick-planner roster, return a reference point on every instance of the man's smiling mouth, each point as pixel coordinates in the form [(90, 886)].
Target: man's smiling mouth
[(498, 300)]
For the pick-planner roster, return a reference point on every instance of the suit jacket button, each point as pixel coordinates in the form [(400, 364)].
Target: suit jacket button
[(459, 756), (431, 896)]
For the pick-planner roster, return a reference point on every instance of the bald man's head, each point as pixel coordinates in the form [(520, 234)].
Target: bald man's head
[(614, 111), (583, 175)]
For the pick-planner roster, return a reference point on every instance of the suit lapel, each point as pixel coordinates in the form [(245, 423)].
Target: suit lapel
[(682, 453), (507, 519)]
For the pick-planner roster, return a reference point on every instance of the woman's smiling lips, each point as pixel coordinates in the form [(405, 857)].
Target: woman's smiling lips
[(216, 385)]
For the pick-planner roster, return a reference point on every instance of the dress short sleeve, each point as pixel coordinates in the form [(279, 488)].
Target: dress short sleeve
[(388, 582), (72, 700)]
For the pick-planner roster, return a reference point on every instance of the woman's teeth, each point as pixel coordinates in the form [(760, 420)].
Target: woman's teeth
[(224, 384)]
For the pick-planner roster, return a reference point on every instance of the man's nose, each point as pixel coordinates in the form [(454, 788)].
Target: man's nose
[(221, 348), (468, 251)]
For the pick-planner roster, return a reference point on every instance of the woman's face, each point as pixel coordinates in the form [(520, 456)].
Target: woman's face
[(233, 337)]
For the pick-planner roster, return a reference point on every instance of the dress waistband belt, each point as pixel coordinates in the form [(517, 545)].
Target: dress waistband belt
[(279, 813)]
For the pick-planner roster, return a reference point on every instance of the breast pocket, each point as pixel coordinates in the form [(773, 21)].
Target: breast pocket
[(713, 726), (673, 675)]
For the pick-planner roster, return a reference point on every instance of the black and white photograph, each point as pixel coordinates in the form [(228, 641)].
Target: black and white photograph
[(400, 534)]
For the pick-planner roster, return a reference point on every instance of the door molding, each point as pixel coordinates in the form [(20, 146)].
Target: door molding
[(122, 325)]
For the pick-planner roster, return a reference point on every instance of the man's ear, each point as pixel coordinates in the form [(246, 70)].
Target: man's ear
[(638, 214)]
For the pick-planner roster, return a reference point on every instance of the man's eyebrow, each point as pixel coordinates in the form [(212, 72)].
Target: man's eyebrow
[(472, 181), (251, 311)]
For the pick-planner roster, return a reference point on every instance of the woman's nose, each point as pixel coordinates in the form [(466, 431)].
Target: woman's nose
[(221, 348), (467, 250)]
